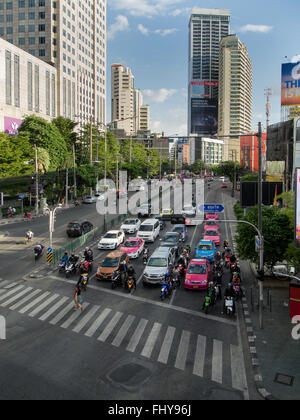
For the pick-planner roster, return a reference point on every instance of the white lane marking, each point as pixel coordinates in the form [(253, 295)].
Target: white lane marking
[(11, 292), (35, 302), (123, 331), (238, 373), (61, 314), (151, 340), (183, 350), (86, 319), (91, 331), (110, 326), (137, 335), (16, 297), (166, 346), (217, 362), (43, 305), (26, 299), (73, 317), (53, 309), (200, 356)]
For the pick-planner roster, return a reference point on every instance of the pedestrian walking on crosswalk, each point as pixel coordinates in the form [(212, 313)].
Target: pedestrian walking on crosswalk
[(78, 299)]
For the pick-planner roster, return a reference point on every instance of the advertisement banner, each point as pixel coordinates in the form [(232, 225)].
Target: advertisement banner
[(204, 116), (290, 86), (297, 212), (11, 125)]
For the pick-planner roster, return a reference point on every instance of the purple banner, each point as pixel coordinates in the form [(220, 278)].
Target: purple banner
[(11, 125)]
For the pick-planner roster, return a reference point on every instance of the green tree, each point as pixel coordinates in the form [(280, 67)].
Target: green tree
[(229, 169), (251, 177), (66, 128), (47, 136), (16, 156), (277, 233), (198, 167)]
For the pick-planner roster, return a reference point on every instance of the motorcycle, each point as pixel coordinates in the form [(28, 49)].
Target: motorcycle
[(117, 281), (166, 290), (83, 282), (62, 267), (145, 256), (86, 264), (227, 262), (229, 304), (38, 252), (71, 268), (130, 284), (207, 304), (234, 267), (76, 203)]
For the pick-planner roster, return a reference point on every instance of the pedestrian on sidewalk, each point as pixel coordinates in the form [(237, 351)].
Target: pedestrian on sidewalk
[(78, 299)]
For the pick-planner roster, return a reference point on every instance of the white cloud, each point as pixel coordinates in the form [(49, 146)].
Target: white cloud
[(121, 24), (165, 32), (144, 7), (143, 29), (160, 95), (256, 28), (179, 12)]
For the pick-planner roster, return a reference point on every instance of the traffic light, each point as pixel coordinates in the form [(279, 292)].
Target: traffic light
[(260, 275)]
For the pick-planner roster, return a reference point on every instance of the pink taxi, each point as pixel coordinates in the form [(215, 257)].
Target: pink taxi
[(211, 234), (212, 216), (213, 224), (197, 275), (133, 247)]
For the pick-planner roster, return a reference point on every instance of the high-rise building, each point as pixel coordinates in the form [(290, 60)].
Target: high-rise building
[(235, 94), (206, 29), (128, 112), (71, 36)]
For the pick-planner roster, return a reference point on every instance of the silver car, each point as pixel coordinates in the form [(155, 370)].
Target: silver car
[(160, 262)]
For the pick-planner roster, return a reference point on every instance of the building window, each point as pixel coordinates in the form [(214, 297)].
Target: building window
[(17, 80), (47, 92), (8, 77), (37, 88), (29, 85)]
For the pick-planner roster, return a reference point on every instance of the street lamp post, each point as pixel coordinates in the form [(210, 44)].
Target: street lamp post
[(36, 182), (52, 223)]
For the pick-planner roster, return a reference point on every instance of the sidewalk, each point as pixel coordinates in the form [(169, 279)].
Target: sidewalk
[(275, 354)]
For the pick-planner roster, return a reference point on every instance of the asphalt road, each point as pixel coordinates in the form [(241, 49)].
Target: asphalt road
[(122, 347)]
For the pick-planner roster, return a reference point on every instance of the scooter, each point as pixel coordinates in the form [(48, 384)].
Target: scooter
[(130, 284), (83, 282), (207, 303), (71, 268), (62, 267), (117, 281), (166, 290), (229, 303), (38, 252)]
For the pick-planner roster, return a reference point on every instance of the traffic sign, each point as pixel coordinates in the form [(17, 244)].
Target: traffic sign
[(49, 255), (22, 196), (211, 208), (49, 250)]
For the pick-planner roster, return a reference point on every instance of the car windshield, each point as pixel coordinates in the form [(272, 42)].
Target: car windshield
[(211, 223), (211, 214), (129, 222), (197, 269), (170, 239), (178, 229), (166, 211), (110, 262), (146, 228), (110, 236), (204, 247), (211, 233), (73, 225), (131, 244), (157, 262)]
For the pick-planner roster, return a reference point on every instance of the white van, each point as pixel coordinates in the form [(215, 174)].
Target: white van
[(149, 230)]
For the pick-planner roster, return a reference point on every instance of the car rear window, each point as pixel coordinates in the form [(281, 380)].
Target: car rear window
[(73, 225), (110, 262)]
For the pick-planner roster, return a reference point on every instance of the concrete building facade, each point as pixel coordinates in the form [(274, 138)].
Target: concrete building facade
[(235, 94), (70, 36), (28, 86), (206, 29)]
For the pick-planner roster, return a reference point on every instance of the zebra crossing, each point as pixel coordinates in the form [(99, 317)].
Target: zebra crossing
[(185, 350)]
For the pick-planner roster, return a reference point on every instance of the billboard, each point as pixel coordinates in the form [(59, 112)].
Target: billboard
[(290, 86), (249, 193), (297, 212), (11, 125), (204, 116)]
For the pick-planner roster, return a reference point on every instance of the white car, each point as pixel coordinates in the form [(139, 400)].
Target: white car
[(131, 226), (111, 240), (90, 200), (100, 197), (189, 210)]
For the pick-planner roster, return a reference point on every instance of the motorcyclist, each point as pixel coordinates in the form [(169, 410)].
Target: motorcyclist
[(146, 254), (88, 254), (65, 258), (229, 292), (227, 253), (29, 235), (123, 272), (39, 248), (131, 273), (226, 244), (176, 278), (182, 261), (74, 259)]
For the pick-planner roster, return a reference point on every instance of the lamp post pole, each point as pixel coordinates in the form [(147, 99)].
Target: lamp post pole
[(36, 182)]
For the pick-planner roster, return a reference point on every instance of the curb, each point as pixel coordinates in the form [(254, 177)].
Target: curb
[(258, 378)]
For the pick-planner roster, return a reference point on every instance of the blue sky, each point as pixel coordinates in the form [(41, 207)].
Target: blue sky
[(151, 37)]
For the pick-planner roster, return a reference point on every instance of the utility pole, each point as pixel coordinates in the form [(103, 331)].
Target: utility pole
[(91, 147), (67, 187), (36, 182), (261, 248), (74, 172)]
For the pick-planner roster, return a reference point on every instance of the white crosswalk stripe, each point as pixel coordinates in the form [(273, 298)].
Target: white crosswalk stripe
[(86, 319), (183, 349), (43, 306), (94, 327), (123, 331), (16, 297), (111, 325)]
